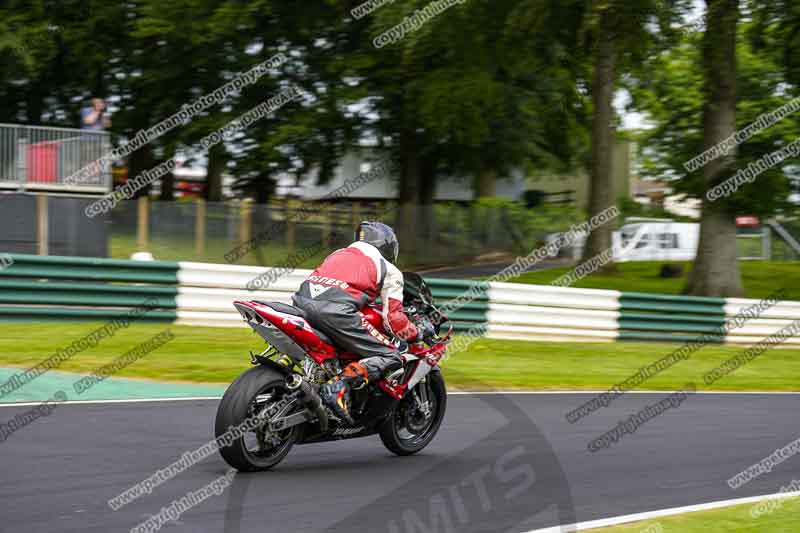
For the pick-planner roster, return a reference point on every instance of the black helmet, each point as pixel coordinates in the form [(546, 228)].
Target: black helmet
[(381, 237)]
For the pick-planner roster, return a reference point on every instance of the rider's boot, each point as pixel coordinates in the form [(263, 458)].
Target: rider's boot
[(336, 392)]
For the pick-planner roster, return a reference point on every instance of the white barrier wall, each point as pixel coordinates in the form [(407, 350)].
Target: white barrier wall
[(510, 311), (545, 313)]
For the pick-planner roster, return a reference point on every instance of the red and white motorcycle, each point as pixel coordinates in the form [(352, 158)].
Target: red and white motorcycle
[(275, 405)]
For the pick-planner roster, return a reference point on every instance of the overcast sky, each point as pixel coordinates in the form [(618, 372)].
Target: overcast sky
[(637, 120)]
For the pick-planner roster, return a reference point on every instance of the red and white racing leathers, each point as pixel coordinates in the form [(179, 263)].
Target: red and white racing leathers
[(345, 282)]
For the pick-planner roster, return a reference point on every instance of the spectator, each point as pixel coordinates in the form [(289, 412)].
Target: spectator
[(94, 144), (94, 117)]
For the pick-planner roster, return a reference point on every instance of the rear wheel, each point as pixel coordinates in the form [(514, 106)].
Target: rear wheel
[(415, 420), (254, 392)]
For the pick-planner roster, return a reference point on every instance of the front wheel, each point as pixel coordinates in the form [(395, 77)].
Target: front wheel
[(254, 391), (415, 420)]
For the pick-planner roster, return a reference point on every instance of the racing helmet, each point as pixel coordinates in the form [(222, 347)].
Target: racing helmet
[(381, 237)]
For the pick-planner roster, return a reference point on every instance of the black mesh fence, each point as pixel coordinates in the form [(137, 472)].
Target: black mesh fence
[(302, 233)]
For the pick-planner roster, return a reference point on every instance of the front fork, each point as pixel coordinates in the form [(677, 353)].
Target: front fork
[(421, 394)]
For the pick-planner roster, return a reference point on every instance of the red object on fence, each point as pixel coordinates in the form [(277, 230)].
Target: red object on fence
[(43, 162), (747, 222)]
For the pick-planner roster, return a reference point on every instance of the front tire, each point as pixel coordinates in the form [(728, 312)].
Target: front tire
[(406, 430), (253, 391)]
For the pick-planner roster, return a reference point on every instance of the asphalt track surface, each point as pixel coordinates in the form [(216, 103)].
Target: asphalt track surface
[(501, 463)]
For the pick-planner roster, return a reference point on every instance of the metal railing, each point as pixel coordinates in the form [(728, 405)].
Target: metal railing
[(41, 158)]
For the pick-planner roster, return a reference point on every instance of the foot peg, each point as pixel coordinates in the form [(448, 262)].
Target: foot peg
[(310, 399)]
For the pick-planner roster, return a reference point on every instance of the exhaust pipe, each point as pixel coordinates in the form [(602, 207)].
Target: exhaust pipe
[(310, 399)]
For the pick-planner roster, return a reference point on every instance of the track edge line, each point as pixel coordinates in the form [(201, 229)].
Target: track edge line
[(649, 515)]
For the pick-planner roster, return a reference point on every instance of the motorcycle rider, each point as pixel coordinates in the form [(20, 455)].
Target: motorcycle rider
[(332, 296)]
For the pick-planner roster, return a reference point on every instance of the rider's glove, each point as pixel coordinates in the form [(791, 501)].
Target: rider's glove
[(426, 332), (401, 345)]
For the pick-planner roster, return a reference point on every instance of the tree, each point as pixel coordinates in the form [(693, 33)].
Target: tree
[(480, 91), (601, 183), (312, 135), (181, 52), (776, 31), (716, 267), (676, 95), (625, 33), (48, 67), (605, 40)]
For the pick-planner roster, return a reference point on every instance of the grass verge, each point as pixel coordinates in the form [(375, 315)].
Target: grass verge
[(218, 355), (784, 519), (760, 278)]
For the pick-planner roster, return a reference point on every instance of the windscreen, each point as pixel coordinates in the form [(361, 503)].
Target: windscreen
[(416, 291)]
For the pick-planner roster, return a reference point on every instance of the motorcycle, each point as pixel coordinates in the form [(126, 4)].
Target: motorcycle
[(276, 404)]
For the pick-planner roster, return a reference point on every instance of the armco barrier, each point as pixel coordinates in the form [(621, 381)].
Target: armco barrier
[(205, 293), (661, 317), (779, 316), (542, 312), (38, 288)]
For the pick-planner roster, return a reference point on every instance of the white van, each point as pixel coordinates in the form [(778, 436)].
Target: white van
[(655, 240)]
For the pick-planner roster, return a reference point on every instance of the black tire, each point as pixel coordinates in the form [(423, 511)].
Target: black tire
[(237, 405), (392, 431)]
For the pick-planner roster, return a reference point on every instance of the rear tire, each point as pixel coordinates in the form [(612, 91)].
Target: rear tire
[(239, 403), (395, 432)]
